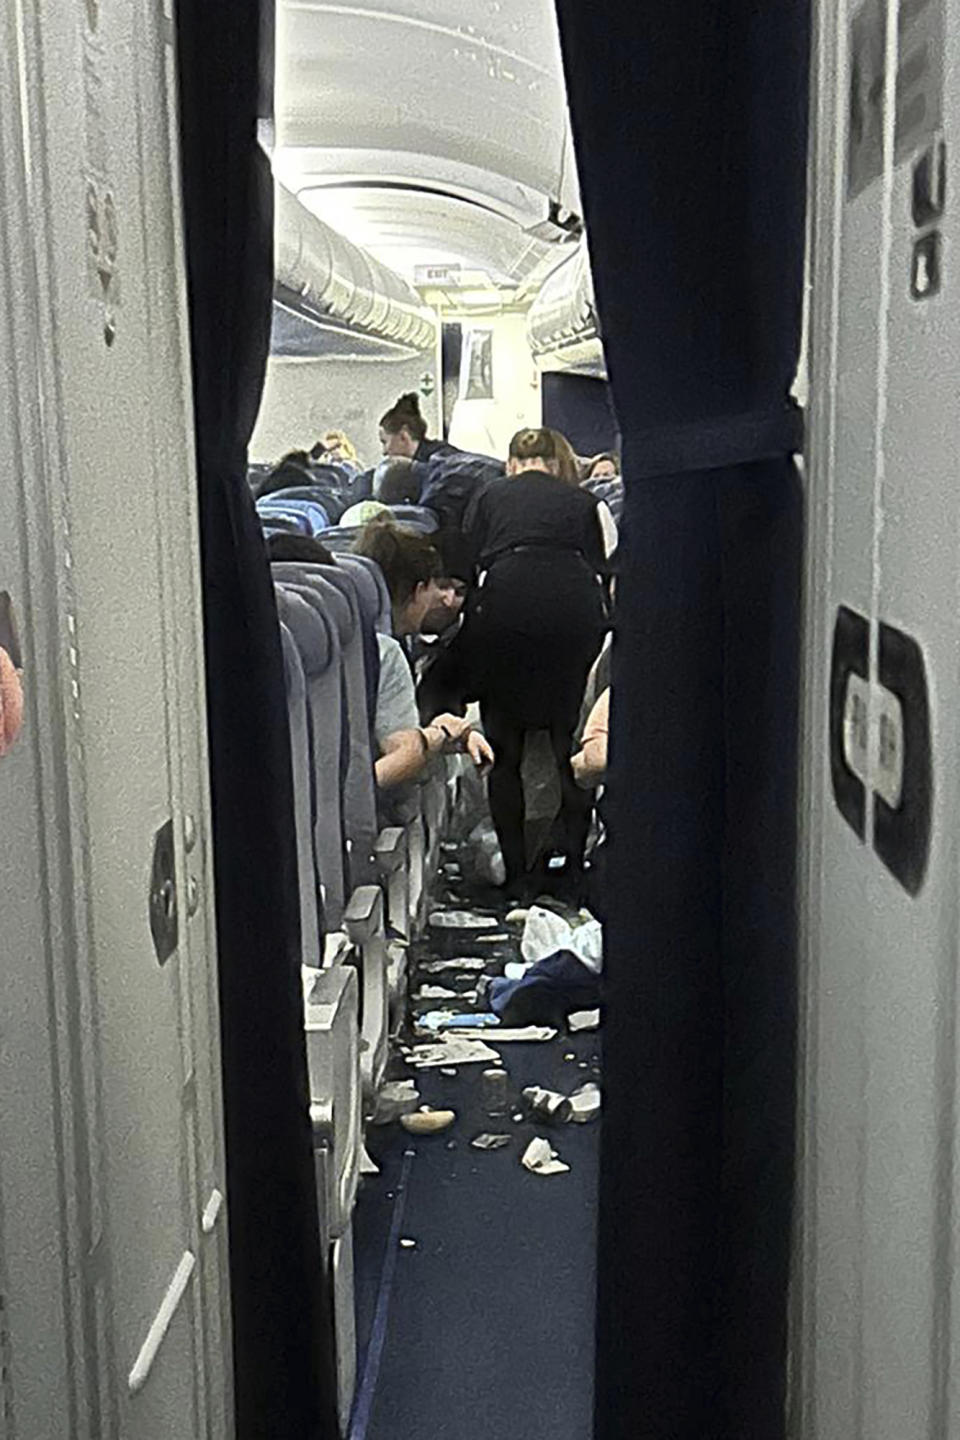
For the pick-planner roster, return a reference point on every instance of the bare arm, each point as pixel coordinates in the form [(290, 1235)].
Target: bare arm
[(405, 754), (403, 758), (589, 765)]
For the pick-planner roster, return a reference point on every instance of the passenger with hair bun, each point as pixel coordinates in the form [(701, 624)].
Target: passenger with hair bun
[(535, 621), (403, 431), (567, 466)]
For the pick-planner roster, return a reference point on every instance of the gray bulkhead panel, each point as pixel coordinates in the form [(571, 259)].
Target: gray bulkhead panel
[(875, 1341), (112, 1212)]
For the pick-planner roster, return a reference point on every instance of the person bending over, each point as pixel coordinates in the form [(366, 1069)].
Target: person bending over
[(413, 570), (534, 623), (419, 597), (403, 431)]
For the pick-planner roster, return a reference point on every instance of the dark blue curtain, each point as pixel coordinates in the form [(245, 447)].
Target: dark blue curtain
[(581, 407), (282, 1332), (690, 124)]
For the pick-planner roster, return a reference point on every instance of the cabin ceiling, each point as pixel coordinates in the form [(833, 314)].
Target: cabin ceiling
[(426, 139)]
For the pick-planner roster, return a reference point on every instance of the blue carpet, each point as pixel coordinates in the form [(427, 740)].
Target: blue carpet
[(485, 1328)]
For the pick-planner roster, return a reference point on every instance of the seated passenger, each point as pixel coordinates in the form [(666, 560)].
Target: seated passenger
[(398, 480), (603, 467), (293, 470), (403, 431), (298, 549), (411, 568), (335, 448), (589, 764), (405, 746), (363, 512), (414, 574), (445, 485), (599, 676)]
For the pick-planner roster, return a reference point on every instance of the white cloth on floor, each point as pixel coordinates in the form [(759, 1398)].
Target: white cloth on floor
[(546, 932)]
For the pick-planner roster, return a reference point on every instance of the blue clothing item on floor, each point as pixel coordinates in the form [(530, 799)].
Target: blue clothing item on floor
[(550, 990)]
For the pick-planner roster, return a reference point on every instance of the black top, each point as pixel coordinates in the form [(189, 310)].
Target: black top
[(534, 509), (452, 483), (428, 448)]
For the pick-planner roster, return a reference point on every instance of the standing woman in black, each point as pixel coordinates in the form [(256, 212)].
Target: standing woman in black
[(535, 623)]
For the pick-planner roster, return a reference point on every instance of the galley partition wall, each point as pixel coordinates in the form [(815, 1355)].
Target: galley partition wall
[(690, 125)]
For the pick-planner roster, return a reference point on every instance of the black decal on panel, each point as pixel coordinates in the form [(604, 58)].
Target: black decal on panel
[(851, 656), (901, 837)]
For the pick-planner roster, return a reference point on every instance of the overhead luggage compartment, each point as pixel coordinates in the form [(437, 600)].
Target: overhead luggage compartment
[(323, 282), (563, 328)]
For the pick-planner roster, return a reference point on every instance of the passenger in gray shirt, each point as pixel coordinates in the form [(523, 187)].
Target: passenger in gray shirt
[(405, 746)]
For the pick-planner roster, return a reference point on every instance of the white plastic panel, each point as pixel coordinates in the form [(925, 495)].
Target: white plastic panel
[(335, 278), (876, 1332), (102, 541), (563, 324), (40, 1316), (469, 101), (407, 228)]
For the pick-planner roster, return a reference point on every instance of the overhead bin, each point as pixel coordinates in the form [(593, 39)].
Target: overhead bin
[(563, 328), (323, 276), (471, 100)]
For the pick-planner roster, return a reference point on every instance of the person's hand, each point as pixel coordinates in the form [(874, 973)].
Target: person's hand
[(454, 727), (480, 752), (435, 738)]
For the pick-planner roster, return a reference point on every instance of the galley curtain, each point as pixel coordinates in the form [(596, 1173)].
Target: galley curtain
[(690, 123), (283, 1378)]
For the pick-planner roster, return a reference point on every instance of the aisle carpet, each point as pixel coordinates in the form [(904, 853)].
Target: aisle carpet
[(484, 1326)]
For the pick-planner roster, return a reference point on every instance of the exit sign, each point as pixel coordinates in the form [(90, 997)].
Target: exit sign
[(436, 275)]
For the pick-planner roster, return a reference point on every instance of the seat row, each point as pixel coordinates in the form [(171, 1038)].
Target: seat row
[(305, 510), (363, 889)]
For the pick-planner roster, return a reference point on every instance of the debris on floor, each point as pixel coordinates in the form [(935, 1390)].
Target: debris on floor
[(529, 1034), (547, 991), (451, 1051), (495, 1093), (548, 1104), (545, 933), (427, 1121), (583, 1020), (469, 964), (407, 1244), (585, 1103), (462, 920), (491, 1142), (435, 1020), (368, 1166), (396, 1098), (540, 1158)]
